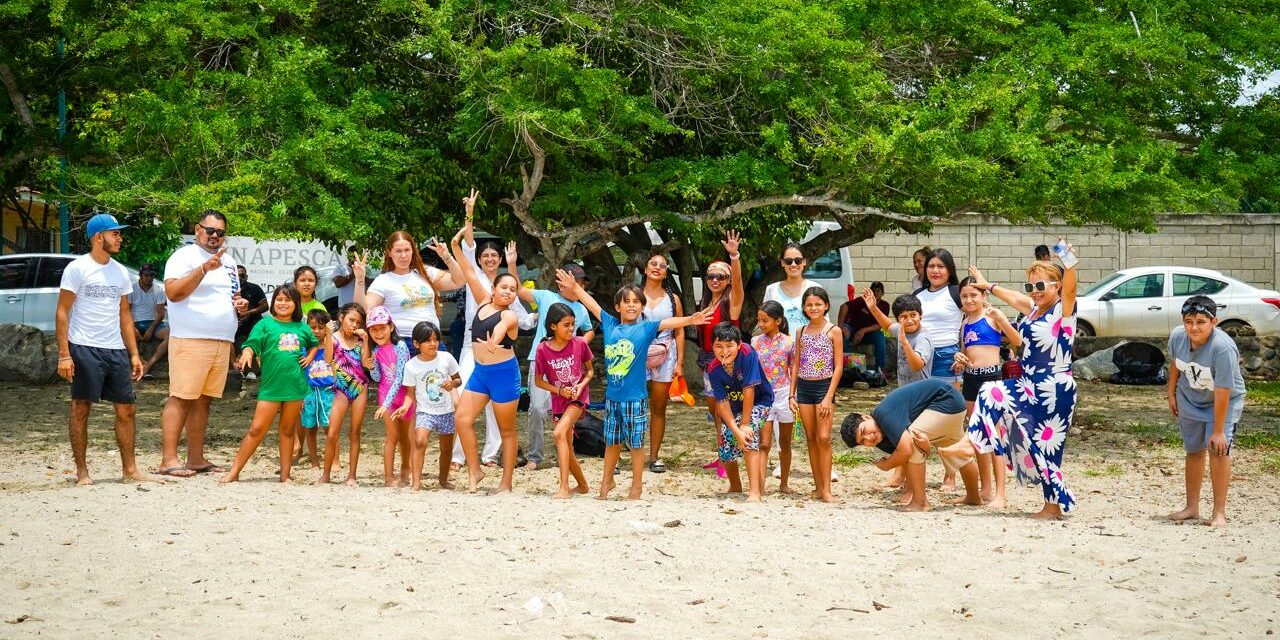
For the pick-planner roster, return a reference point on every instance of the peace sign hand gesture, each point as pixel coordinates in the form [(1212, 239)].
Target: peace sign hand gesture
[(730, 242), (440, 248), (469, 203), (359, 265)]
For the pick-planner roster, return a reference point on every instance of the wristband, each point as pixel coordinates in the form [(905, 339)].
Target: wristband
[(66, 358), (735, 256)]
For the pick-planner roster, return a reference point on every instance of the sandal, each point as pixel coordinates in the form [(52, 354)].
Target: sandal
[(209, 468), (657, 467), (177, 471)]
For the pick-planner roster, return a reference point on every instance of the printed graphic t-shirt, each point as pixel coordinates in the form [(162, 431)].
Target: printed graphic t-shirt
[(625, 348), (280, 345)]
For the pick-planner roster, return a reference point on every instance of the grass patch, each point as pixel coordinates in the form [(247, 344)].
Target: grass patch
[(1271, 463), (1112, 469), (677, 460), (1265, 439), (1158, 433), (1266, 394), (851, 458)]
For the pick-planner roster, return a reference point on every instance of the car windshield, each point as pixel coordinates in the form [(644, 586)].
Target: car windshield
[(1101, 284)]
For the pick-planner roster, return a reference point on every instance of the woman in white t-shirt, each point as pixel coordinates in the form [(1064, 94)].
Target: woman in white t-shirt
[(941, 316), (406, 287), (789, 292)]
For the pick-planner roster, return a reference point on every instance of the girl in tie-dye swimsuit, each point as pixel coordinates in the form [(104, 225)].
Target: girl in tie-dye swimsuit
[(352, 385)]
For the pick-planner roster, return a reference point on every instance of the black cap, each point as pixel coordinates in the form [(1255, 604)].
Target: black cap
[(147, 269), (574, 269)]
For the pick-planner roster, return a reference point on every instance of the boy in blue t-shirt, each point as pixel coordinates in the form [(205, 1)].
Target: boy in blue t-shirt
[(740, 389), (1206, 395), (626, 394)]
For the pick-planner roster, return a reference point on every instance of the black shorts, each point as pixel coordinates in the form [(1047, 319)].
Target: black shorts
[(812, 391), (975, 378), (101, 374)]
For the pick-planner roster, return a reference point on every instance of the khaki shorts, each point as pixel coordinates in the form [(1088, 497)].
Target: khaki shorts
[(198, 367), (943, 429)]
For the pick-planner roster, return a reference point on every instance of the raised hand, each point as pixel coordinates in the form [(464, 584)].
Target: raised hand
[(731, 241), (565, 281), (359, 265), (512, 256), (868, 297), (469, 203), (979, 281), (440, 248), (214, 261)]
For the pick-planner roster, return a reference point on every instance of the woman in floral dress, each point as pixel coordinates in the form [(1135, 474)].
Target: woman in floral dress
[(1026, 419)]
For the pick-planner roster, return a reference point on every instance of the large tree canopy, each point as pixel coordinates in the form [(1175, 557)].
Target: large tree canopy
[(582, 120)]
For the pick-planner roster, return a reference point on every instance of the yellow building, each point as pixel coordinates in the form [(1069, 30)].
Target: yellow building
[(30, 224)]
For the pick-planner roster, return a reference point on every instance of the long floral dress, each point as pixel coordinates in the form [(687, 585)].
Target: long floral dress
[(1026, 419)]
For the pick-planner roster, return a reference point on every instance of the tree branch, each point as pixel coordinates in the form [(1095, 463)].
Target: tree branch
[(15, 96)]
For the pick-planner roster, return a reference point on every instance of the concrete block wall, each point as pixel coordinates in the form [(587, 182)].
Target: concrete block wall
[(1243, 246)]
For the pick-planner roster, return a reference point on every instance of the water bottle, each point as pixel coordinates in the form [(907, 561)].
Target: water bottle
[(1065, 254)]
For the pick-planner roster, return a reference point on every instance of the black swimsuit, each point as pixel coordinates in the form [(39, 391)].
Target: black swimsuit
[(482, 328)]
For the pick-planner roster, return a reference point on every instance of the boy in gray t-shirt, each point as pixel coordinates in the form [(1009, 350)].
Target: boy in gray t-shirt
[(915, 350), (1206, 395)]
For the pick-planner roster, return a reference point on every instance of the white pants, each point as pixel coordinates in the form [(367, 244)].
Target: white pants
[(492, 437)]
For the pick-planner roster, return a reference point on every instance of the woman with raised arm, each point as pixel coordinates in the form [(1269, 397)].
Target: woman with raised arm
[(1026, 419), (495, 378), (406, 287), (661, 303)]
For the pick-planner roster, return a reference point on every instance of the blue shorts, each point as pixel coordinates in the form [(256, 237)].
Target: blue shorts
[(143, 325), (500, 381), (626, 423), (441, 423), (943, 359), (316, 406), (1195, 434)]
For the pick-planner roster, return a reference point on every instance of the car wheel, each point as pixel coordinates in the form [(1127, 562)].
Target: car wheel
[(1084, 330), (1237, 328)]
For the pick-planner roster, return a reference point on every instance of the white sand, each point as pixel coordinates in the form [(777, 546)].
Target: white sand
[(260, 560)]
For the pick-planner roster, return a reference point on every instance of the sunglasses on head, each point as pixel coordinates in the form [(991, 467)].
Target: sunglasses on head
[(1195, 306), (1037, 286), (716, 276), (792, 261), (214, 231)]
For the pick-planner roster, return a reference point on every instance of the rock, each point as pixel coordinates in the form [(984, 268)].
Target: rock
[(1270, 342), (1253, 363), (27, 355), (1098, 366)]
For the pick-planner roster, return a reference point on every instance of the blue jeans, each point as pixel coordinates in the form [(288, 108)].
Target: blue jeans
[(876, 340)]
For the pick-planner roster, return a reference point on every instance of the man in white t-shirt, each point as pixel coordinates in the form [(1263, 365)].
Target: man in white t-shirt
[(201, 283), (147, 302), (97, 352)]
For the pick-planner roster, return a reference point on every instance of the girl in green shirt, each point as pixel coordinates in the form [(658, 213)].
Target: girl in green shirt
[(285, 347)]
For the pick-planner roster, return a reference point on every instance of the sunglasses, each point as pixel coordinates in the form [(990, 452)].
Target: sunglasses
[(791, 262), (213, 231), (1037, 286), (658, 265), (1194, 306), (716, 277)]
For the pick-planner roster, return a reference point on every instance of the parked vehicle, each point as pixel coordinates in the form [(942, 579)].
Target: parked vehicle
[(1146, 302), (29, 284)]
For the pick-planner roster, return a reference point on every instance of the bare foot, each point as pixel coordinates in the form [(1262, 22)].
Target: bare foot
[(137, 476), (446, 485), (987, 496), (605, 489), (754, 499), (913, 508), (1049, 512), (827, 497), (324, 479), (83, 479), (474, 480), (531, 466), (582, 489), (229, 478), (948, 485), (562, 494), (998, 504), (634, 494), (904, 498), (286, 480), (417, 486), (1219, 520), (391, 483), (975, 502), (351, 482), (1189, 513), (784, 489)]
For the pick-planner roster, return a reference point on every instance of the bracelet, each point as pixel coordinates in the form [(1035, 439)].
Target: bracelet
[(66, 358), (734, 256)]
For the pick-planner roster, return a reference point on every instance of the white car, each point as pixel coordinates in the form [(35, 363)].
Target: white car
[(1146, 302)]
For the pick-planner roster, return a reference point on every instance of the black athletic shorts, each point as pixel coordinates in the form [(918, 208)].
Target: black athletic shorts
[(101, 374), (976, 377)]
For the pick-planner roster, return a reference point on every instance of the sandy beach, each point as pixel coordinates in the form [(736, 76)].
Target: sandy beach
[(190, 558)]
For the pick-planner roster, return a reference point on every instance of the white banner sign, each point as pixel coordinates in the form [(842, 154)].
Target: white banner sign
[(271, 262)]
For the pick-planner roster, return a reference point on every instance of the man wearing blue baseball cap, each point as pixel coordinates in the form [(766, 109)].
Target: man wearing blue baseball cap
[(97, 350)]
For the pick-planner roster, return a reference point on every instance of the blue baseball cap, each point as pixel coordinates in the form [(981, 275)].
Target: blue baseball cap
[(102, 222)]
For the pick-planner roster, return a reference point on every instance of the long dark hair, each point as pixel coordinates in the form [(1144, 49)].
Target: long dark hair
[(773, 309), (289, 290), (555, 313), (947, 261)]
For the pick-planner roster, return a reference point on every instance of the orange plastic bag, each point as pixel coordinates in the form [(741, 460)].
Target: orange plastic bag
[(680, 389)]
